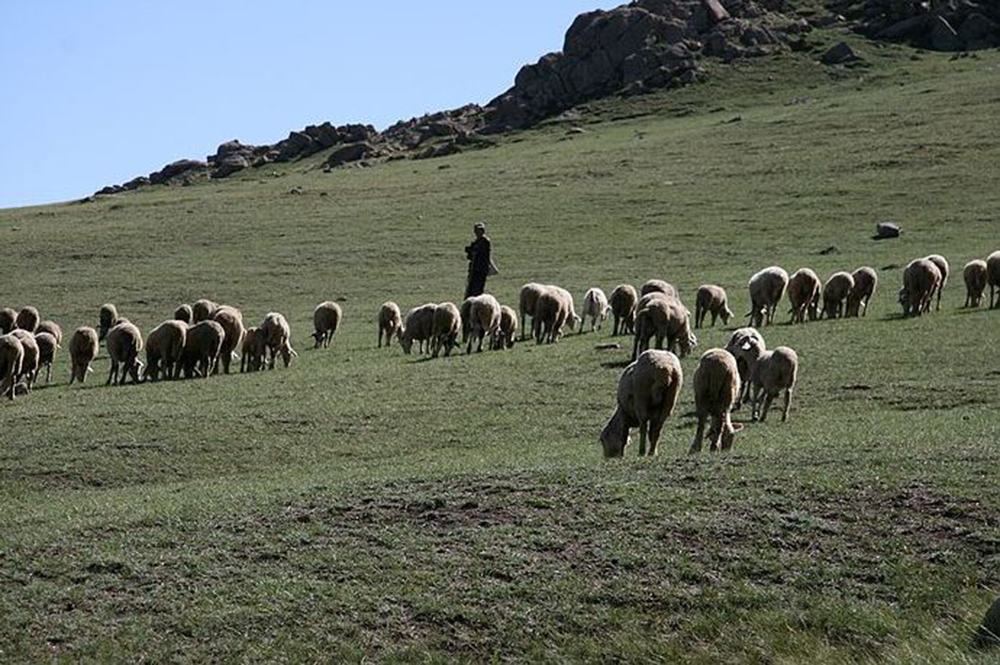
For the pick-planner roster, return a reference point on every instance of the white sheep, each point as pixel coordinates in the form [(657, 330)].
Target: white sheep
[(326, 319), (775, 371), (666, 319), (711, 299), (746, 345), (253, 351), (11, 359), (622, 302), (658, 286), (974, 274), (124, 342), (390, 322), (419, 327), (83, 348), (278, 335), (484, 319), (944, 269), (507, 333), (647, 393), (31, 362), (804, 289), (527, 300), (595, 305), (446, 324), (52, 328), (184, 313), (835, 293), (767, 287), (552, 311), (921, 278), (107, 317), (48, 346), (865, 283), (28, 318), (231, 320), (164, 349), (202, 348), (993, 276), (716, 389)]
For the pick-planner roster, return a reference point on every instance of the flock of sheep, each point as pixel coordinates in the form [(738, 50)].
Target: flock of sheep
[(198, 341), (202, 339)]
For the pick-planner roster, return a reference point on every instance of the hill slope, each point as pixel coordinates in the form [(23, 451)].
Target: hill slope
[(364, 502)]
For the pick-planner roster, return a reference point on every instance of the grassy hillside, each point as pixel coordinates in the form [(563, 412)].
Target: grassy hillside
[(363, 502)]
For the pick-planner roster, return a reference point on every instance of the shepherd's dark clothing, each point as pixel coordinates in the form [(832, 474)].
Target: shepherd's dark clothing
[(478, 254)]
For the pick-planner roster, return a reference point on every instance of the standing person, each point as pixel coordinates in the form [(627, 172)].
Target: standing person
[(478, 254)]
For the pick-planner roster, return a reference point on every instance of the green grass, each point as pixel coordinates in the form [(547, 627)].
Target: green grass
[(366, 504)]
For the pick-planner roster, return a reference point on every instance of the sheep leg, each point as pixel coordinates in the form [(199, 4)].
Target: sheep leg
[(113, 373), (768, 398), (643, 427), (788, 404), (655, 427), (699, 435), (48, 373), (715, 434)]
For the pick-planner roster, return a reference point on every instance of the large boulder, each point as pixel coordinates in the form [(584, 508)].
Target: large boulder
[(351, 153), (175, 169), (838, 54), (943, 37)]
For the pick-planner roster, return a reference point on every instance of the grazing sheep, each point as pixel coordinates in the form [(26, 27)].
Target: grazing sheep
[(390, 322), (28, 318), (8, 320), (658, 286), (106, 319), (202, 347), (647, 393), (595, 305), (184, 313), (31, 362), (920, 280), (993, 276), (666, 319), (446, 324), (767, 287), (165, 346), (419, 327), (803, 293), (716, 388), (711, 298), (253, 351), (528, 299), (11, 359), (865, 283), (975, 282), (202, 310), (835, 294), (622, 302), (775, 371), (552, 311), (231, 320), (507, 333), (746, 345), (326, 319), (47, 348), (484, 319), (279, 338), (124, 342), (83, 347), (944, 269), (52, 328)]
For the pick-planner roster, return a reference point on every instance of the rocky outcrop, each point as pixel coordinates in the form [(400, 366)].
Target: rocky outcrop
[(940, 25), (645, 45)]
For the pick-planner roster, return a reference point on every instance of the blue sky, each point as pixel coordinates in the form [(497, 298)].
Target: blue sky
[(95, 93)]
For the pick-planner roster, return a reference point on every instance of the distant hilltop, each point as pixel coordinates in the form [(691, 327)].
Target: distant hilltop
[(633, 49)]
